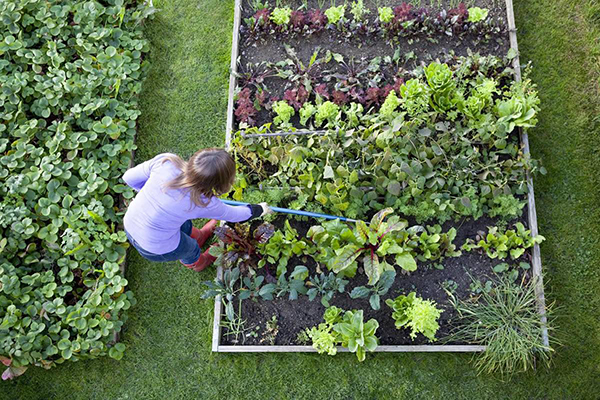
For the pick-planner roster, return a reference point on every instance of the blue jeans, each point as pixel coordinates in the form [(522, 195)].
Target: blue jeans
[(187, 251)]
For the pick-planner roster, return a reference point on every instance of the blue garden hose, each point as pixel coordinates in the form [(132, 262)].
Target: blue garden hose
[(295, 212)]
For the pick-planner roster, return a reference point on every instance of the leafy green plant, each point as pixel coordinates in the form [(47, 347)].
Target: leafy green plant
[(327, 111), (295, 285), (416, 99), (359, 11), (346, 328), (435, 244), (69, 110), (284, 113), (498, 245), (306, 112), (253, 288), (477, 14), (386, 14), (325, 286), (520, 109), (415, 313), (281, 15), (389, 106), (374, 240), (227, 288), (239, 245), (439, 79), (281, 247), (375, 292), (335, 14), (506, 319)]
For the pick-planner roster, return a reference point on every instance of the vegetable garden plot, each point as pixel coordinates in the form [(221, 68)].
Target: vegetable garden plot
[(426, 150)]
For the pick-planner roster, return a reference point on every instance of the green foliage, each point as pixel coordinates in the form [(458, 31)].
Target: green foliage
[(327, 111), (70, 74), (386, 14), (348, 330), (416, 99), (521, 108), (284, 113), (281, 15), (308, 110), (500, 244), (477, 14), (359, 11), (507, 321), (389, 106), (375, 292), (238, 244), (325, 286), (335, 14), (281, 247), (295, 285), (415, 313)]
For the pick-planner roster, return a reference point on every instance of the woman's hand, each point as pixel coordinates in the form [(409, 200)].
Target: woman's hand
[(266, 209)]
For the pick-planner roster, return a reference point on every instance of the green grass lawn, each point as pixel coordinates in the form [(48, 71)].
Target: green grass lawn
[(168, 332)]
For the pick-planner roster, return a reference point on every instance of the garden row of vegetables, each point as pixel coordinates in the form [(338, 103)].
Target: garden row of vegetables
[(70, 73), (430, 155)]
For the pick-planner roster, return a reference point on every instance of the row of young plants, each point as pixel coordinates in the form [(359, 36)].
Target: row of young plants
[(445, 146), (352, 19), (309, 87), (70, 73)]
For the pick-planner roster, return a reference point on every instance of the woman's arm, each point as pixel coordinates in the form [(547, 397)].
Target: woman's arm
[(223, 212), (137, 176)]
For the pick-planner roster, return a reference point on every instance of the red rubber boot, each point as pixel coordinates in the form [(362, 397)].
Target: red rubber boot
[(202, 235), (203, 261)]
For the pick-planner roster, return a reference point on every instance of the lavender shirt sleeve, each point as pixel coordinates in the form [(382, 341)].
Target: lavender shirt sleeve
[(223, 212), (137, 176)]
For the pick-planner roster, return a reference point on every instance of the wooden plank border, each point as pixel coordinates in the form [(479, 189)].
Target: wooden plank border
[(537, 267), (532, 214)]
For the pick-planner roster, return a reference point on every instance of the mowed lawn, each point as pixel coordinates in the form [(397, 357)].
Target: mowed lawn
[(168, 333)]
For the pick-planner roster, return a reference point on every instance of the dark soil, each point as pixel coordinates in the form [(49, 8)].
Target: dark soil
[(428, 281)]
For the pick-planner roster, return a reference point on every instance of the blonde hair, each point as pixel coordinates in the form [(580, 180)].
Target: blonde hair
[(208, 173)]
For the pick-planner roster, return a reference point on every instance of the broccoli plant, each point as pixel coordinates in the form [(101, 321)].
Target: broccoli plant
[(325, 286), (238, 245), (415, 313), (376, 291), (294, 285)]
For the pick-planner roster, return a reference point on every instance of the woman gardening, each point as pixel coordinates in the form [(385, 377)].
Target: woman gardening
[(172, 192)]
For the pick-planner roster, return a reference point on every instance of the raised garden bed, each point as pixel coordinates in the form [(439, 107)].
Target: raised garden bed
[(443, 246)]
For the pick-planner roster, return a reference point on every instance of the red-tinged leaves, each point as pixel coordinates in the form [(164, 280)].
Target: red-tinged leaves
[(373, 96), (322, 91), (340, 98), (346, 257), (245, 110), (263, 17), (372, 267), (6, 361), (263, 98), (13, 372), (377, 220), (362, 231), (317, 19), (296, 97), (460, 12), (264, 232), (358, 95), (298, 19), (225, 234), (403, 12)]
